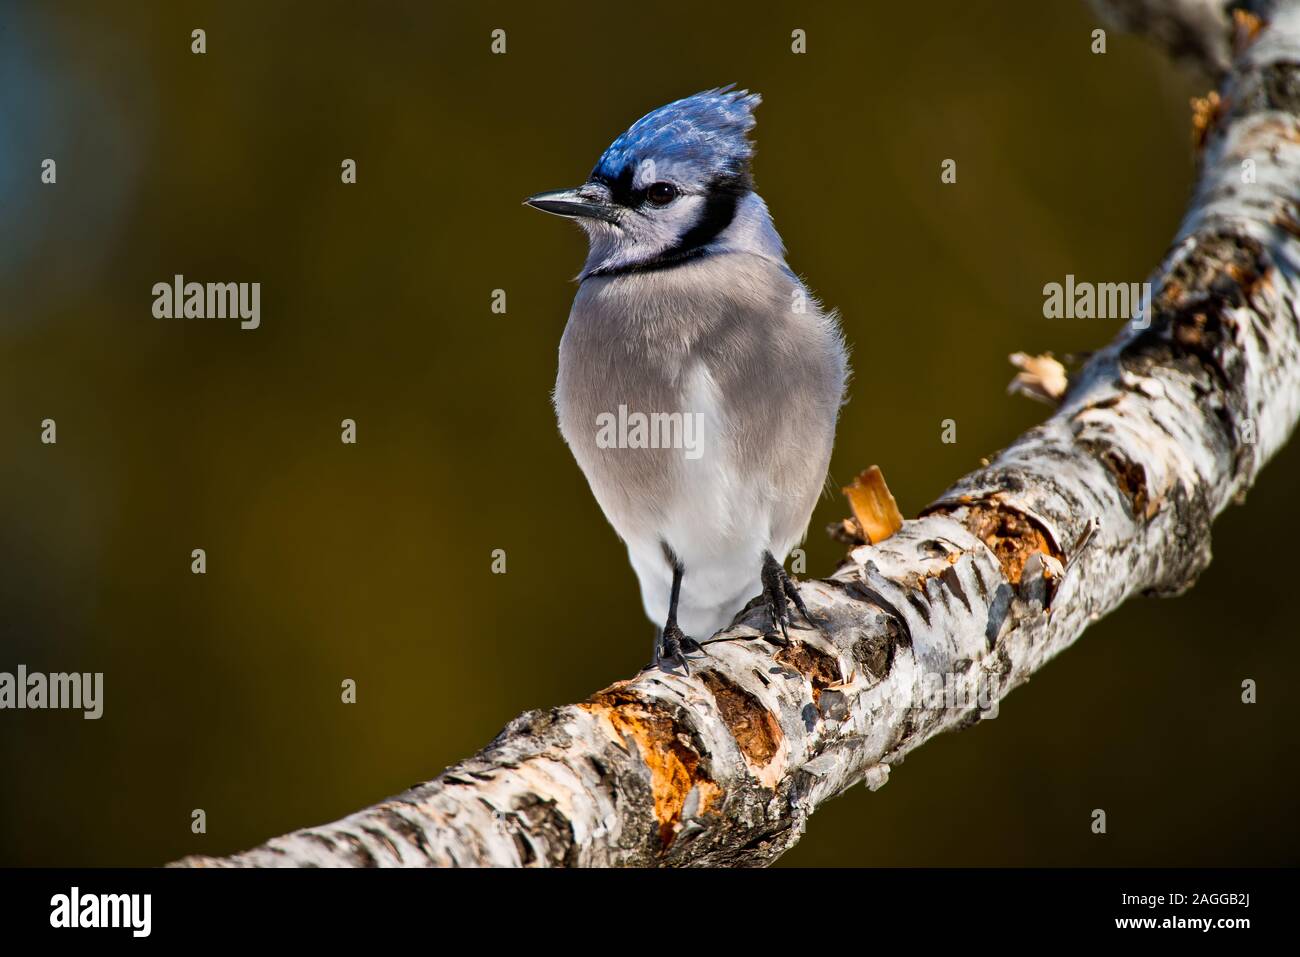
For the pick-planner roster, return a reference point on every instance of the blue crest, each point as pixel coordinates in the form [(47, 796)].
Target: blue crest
[(706, 130)]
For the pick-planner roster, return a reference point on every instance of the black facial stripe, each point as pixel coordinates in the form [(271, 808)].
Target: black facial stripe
[(648, 265), (724, 195), (719, 210), (620, 188)]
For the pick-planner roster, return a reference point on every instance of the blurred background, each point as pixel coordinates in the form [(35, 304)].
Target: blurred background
[(373, 562)]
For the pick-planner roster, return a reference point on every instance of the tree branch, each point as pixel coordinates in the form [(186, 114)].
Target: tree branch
[(1195, 32), (926, 631)]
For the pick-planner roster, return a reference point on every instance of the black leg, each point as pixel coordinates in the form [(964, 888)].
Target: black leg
[(673, 644), (778, 592)]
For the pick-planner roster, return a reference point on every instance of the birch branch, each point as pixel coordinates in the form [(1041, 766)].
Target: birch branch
[(1113, 496), (1196, 32)]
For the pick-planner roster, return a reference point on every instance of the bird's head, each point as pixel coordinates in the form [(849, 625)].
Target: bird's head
[(670, 188)]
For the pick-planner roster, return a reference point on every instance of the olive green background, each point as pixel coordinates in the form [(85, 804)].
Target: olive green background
[(372, 561)]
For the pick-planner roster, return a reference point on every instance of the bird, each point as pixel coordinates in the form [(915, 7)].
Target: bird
[(699, 379)]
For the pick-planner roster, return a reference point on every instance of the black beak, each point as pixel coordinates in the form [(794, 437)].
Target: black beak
[(580, 202)]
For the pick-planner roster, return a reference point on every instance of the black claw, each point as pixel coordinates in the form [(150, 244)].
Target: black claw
[(792, 592), (779, 592), (689, 644), (776, 609), (674, 646)]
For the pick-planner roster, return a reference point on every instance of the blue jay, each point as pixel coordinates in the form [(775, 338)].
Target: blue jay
[(699, 381)]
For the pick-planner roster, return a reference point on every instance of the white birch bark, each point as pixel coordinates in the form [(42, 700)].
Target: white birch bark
[(1112, 497)]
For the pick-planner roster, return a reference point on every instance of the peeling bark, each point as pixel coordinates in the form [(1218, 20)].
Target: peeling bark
[(1113, 496)]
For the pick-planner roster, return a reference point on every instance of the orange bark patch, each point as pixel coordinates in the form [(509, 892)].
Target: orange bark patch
[(821, 669), (1011, 536), (1245, 28), (874, 508), (673, 764), (756, 731), (1206, 111), (1131, 478), (1040, 377)]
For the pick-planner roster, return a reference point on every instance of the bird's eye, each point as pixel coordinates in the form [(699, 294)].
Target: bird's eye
[(661, 194)]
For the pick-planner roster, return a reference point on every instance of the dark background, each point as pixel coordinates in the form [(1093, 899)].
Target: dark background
[(372, 561)]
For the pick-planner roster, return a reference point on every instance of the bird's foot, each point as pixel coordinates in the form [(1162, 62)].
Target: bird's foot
[(779, 592), (673, 645)]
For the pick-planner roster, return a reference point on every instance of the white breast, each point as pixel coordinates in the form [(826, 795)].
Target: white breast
[(716, 520)]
